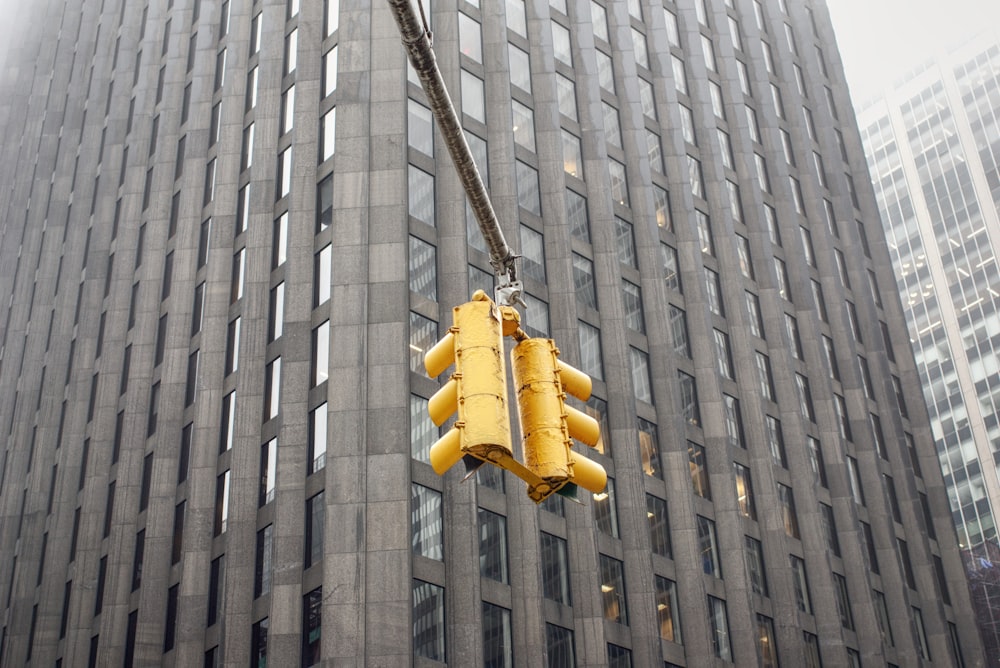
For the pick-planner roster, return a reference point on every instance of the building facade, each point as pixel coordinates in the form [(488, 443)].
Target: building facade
[(229, 232), (933, 146)]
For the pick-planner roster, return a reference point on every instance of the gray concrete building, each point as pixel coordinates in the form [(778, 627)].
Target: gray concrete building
[(933, 146), (228, 231)]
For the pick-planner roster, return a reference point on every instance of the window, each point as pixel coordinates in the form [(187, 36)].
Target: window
[(315, 519), (805, 397), (786, 502), (632, 302), (276, 316), (423, 268), (802, 599), (688, 391), (649, 448), (764, 379), (279, 247), (713, 292), (678, 331), (698, 465), (672, 276), (734, 421), (317, 438), (583, 281), (555, 569), (170, 627), (590, 351), (668, 611), (561, 48), (719, 628), (228, 426), (559, 647), (708, 547), (470, 37), (566, 92), (619, 183), (138, 556), (661, 202), (520, 70), (647, 99), (659, 527), (533, 251), (190, 391), (272, 389), (619, 657), (918, 627), (680, 78), (725, 147), (250, 101), (792, 329), (695, 177), (426, 522), (291, 51), (497, 644), (177, 545), (528, 194), (423, 432), (704, 232), (723, 356), (754, 556), (321, 353), (428, 621), (829, 529), (233, 346), (605, 512), (258, 643), (744, 491), (263, 561), (781, 277), (605, 72), (767, 651), (332, 14), (870, 553), (492, 546), (755, 320), (597, 408), (852, 472), (687, 124), (328, 135), (268, 471), (312, 626), (420, 128), (907, 566), (625, 242), (642, 385), (423, 336), (613, 590), (815, 454), (284, 176), (882, 615), (524, 124), (843, 602)]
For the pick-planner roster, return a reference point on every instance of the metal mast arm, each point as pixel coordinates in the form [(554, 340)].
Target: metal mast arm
[(417, 41)]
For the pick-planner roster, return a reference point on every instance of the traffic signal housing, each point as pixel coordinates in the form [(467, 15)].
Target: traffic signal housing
[(476, 391), (548, 424)]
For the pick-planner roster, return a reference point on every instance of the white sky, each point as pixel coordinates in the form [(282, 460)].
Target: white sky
[(880, 40)]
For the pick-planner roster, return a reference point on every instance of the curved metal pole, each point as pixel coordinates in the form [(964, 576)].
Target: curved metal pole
[(418, 46)]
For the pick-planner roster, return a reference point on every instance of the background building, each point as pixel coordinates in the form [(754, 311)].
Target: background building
[(228, 233), (933, 145)]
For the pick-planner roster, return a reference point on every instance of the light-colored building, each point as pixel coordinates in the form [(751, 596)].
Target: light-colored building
[(933, 147)]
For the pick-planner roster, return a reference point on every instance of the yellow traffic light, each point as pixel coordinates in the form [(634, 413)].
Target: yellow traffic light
[(477, 390), (548, 425)]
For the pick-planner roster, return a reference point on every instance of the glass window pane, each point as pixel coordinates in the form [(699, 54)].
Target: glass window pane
[(423, 268), (428, 621), (492, 546), (613, 590)]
